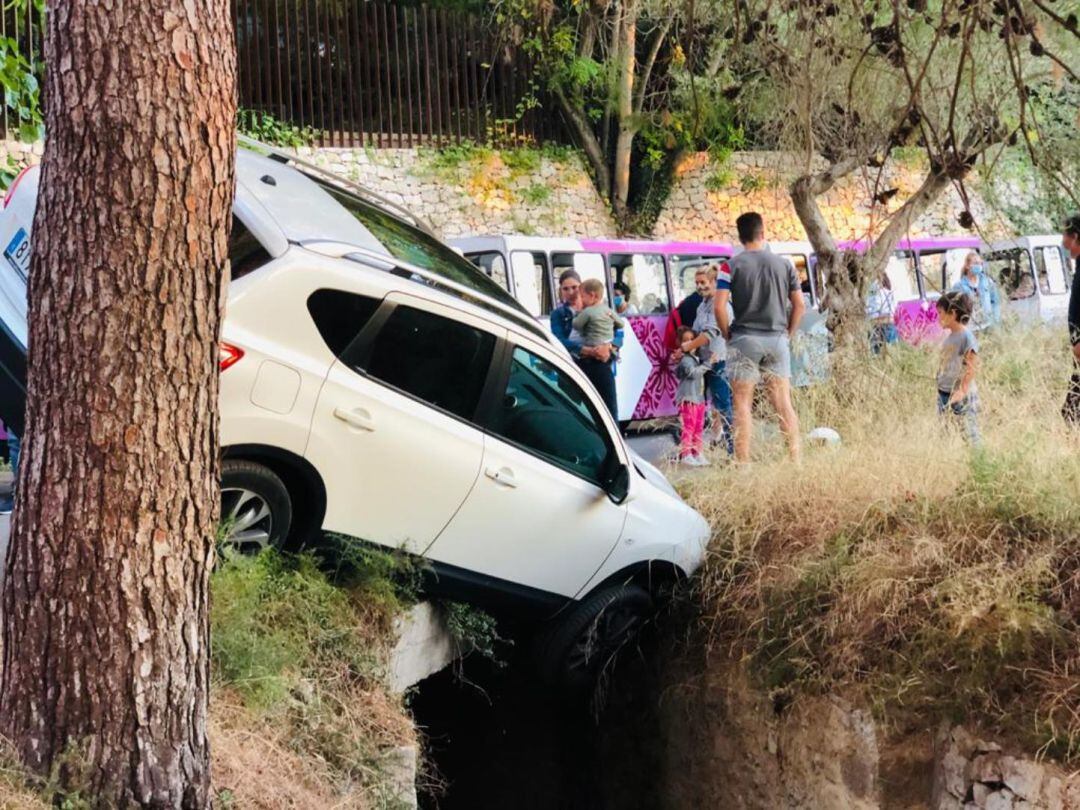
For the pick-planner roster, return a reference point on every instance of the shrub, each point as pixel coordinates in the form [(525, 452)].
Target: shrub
[(933, 580), (536, 194), (308, 653), (265, 127)]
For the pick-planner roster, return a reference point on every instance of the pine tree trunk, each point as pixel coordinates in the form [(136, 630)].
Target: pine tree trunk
[(105, 601)]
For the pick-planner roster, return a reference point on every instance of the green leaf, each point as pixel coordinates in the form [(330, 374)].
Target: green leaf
[(29, 132)]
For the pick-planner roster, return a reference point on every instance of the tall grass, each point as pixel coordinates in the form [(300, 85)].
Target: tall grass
[(295, 651), (932, 579)]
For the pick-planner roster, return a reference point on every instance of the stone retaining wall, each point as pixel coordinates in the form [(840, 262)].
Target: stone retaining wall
[(489, 192), (483, 193), (707, 197)]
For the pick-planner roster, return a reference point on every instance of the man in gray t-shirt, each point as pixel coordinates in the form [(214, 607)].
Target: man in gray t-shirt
[(767, 299)]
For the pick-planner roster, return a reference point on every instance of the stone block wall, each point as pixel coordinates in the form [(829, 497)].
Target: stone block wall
[(20, 154), (706, 199), (483, 193), (489, 192)]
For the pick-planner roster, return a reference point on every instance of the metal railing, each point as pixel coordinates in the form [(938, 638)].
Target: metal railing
[(379, 74)]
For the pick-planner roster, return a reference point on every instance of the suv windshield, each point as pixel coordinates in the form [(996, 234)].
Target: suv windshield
[(409, 244)]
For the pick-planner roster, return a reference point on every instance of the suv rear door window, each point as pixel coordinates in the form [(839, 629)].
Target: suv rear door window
[(438, 360), (1012, 270), (902, 276), (644, 273), (1051, 271), (339, 316), (246, 253), (546, 413)]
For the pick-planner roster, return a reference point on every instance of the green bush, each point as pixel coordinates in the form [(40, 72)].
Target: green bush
[(474, 630), (536, 194), (267, 128), (277, 620), (903, 567)]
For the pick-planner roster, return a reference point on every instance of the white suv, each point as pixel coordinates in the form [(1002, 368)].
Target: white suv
[(375, 384)]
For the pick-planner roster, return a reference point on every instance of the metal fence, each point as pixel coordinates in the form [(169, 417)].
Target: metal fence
[(371, 73), (22, 30), (366, 73)]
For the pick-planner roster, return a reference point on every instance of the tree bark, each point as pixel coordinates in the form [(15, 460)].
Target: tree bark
[(846, 273), (105, 601), (624, 140)]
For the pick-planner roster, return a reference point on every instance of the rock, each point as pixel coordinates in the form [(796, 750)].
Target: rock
[(1024, 778), (398, 767), (1000, 800), (985, 768)]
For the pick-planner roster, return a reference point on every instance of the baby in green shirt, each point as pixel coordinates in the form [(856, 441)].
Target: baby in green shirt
[(597, 322)]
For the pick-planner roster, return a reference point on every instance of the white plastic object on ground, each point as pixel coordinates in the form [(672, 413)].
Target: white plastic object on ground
[(825, 436)]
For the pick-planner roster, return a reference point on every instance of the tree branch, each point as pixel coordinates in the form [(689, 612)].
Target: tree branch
[(900, 223), (579, 122), (1056, 18), (650, 61)]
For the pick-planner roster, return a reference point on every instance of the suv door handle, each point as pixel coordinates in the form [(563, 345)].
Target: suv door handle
[(502, 475), (357, 418)]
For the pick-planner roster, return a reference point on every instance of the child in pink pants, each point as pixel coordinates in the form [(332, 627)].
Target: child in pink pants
[(690, 397)]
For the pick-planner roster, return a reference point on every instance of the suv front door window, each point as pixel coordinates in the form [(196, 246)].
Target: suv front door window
[(391, 434), (546, 457)]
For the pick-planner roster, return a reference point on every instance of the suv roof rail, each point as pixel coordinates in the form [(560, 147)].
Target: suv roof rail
[(364, 193), (476, 297)]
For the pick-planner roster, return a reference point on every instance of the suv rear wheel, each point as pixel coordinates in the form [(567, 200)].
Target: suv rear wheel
[(256, 510), (574, 652)]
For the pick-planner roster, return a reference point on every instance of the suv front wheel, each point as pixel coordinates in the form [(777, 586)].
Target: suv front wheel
[(256, 510), (573, 653)]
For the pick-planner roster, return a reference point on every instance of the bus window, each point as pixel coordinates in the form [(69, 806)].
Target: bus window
[(530, 282), (816, 280), (902, 276), (1012, 270), (802, 272), (932, 268), (494, 266), (942, 268), (683, 270), (644, 274), (1051, 270), (587, 265)]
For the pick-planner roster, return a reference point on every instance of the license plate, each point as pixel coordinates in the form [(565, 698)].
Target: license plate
[(17, 253)]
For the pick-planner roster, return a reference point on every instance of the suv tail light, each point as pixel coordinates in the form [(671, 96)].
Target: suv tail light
[(228, 355)]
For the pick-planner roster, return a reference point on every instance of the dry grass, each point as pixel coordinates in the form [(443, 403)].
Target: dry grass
[(15, 793), (298, 662), (934, 580)]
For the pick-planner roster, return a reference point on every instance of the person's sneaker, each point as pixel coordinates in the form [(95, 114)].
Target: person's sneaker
[(703, 462), (690, 461)]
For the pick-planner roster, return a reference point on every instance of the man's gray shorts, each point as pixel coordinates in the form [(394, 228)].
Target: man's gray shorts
[(750, 356)]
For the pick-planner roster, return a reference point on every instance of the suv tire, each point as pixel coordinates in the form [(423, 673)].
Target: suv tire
[(256, 509), (575, 651)]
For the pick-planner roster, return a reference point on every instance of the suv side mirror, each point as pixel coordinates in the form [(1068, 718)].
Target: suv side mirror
[(618, 484)]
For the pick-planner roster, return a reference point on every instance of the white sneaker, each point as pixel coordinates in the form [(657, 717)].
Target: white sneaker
[(703, 462), (690, 461)]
